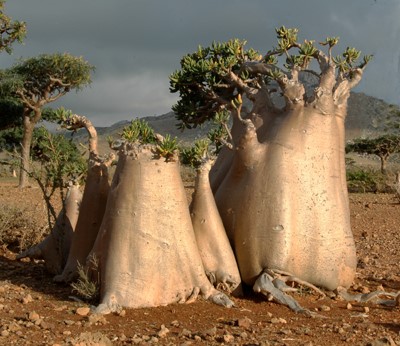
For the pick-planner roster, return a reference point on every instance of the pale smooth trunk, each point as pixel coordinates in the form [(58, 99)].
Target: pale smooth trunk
[(289, 210)]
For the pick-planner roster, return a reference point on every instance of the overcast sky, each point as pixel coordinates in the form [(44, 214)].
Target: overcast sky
[(136, 44)]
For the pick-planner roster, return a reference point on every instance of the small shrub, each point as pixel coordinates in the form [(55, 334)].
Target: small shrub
[(85, 287), (18, 231), (368, 180)]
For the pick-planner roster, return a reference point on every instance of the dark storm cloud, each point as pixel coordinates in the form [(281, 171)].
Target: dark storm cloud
[(136, 44)]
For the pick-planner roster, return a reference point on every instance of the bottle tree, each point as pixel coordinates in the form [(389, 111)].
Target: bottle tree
[(279, 182)]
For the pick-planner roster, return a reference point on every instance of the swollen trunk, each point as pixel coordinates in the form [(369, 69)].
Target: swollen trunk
[(215, 250), (55, 247), (146, 247), (288, 209), (90, 217)]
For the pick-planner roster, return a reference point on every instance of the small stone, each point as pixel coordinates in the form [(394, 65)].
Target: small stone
[(244, 335), (186, 332), (97, 318), (324, 308), (33, 316), (47, 325), (175, 323), (380, 288), (27, 299), (276, 320), (163, 332), (228, 338), (122, 313), (366, 309), (365, 289), (5, 333), (349, 306), (210, 332), (61, 308), (69, 322), (66, 332), (244, 322), (83, 311)]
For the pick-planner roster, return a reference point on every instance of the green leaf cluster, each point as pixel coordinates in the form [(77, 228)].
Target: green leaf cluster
[(210, 78), (139, 131), (194, 155), (348, 61), (59, 157), (202, 80), (168, 147), (49, 74), (10, 31)]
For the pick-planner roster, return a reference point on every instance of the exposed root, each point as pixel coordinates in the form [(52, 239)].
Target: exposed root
[(275, 288), (225, 283), (111, 306), (281, 278), (373, 297), (35, 252), (192, 298), (222, 299)]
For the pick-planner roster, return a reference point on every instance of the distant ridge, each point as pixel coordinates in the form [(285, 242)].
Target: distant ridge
[(363, 118)]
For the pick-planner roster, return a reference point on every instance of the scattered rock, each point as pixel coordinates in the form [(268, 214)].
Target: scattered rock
[(228, 338), (83, 311), (276, 320), (27, 299), (33, 316), (324, 308), (163, 332), (244, 322)]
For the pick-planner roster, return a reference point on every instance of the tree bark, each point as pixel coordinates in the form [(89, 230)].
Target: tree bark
[(214, 247), (383, 164), (25, 151), (93, 204), (90, 217), (146, 248), (55, 247), (286, 208)]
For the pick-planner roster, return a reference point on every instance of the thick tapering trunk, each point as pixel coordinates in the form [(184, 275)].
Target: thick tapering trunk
[(55, 247), (214, 247), (146, 246), (25, 151), (90, 217), (288, 209), (93, 203)]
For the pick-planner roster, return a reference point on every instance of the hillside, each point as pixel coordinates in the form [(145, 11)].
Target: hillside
[(364, 114)]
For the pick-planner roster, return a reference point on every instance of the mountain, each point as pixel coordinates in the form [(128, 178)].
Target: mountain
[(364, 115)]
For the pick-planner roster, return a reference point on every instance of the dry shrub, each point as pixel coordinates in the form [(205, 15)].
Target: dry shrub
[(85, 287), (18, 230)]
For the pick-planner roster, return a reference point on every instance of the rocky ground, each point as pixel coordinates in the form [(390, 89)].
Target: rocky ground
[(36, 311)]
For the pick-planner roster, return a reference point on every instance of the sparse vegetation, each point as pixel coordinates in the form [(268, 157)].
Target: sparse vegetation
[(18, 230), (85, 286)]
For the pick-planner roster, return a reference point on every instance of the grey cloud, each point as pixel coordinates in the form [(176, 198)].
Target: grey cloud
[(135, 45)]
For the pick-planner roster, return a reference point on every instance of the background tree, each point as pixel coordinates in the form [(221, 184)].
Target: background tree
[(58, 164), (38, 81), (281, 191), (10, 31), (382, 146)]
